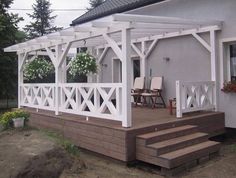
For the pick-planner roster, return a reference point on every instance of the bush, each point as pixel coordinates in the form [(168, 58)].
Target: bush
[(6, 118)]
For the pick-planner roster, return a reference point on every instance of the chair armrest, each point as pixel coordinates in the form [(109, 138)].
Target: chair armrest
[(146, 91), (136, 90)]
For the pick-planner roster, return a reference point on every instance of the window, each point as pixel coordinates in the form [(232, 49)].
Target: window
[(232, 61), (136, 68)]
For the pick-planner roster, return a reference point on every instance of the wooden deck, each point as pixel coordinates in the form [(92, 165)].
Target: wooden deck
[(109, 138)]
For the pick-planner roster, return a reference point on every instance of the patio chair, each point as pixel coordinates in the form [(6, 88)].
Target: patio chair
[(137, 89), (155, 92)]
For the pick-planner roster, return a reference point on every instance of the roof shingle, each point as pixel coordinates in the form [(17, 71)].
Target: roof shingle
[(110, 7)]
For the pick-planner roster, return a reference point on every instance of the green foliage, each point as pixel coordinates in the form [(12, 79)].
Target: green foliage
[(66, 144), (94, 3), (39, 68), (6, 118), (83, 64), (8, 61), (70, 148), (41, 20)]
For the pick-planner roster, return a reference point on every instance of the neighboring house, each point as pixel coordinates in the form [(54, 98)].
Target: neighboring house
[(190, 43)]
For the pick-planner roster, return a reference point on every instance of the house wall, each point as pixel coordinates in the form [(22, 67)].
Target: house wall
[(189, 60), (201, 9)]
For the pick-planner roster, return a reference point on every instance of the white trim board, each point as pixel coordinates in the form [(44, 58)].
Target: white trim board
[(224, 65)]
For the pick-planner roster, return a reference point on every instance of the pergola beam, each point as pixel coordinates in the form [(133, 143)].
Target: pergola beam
[(163, 26), (159, 19)]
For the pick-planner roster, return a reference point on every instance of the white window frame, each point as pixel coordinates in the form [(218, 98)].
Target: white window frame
[(112, 69), (134, 57), (225, 70)]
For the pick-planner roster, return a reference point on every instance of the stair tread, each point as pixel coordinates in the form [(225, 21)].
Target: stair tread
[(165, 131), (177, 140), (188, 150)]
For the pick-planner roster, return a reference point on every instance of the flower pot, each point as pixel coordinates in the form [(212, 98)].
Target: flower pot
[(18, 122)]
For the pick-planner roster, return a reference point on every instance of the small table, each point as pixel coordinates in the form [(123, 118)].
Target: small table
[(172, 105)]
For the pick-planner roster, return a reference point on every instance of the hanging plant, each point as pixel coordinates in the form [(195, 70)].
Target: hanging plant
[(83, 64), (229, 87), (39, 68)]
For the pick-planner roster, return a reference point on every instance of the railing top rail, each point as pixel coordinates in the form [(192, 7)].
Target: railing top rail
[(76, 84), (199, 83), (92, 84), (38, 84)]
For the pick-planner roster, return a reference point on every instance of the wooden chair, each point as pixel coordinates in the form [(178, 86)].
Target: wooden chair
[(155, 92), (137, 89)]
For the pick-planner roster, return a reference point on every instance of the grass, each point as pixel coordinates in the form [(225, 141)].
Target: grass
[(65, 143)]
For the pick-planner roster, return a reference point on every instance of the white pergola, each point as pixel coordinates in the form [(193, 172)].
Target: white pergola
[(120, 32)]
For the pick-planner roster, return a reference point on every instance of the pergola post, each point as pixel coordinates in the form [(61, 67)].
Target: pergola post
[(20, 77), (58, 77), (60, 71), (143, 60), (21, 60), (126, 78), (214, 66)]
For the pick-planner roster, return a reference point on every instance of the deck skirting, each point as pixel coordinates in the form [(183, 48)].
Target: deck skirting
[(114, 141)]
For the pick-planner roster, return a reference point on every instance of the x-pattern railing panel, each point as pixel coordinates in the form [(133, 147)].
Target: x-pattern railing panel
[(100, 100), (40, 96), (195, 96)]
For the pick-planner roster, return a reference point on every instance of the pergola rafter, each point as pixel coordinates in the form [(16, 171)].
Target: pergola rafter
[(141, 26)]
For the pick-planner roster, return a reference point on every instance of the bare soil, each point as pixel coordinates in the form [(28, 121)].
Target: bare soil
[(32, 154)]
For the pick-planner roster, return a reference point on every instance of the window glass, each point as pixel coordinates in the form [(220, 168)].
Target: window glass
[(233, 63), (136, 67)]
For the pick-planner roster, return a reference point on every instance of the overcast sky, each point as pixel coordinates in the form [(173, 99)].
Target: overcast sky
[(63, 19)]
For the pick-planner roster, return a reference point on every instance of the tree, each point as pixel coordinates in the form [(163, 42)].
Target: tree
[(42, 20), (9, 35), (94, 3)]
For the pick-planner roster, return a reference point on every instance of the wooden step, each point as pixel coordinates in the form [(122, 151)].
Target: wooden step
[(184, 155), (166, 134), (178, 143)]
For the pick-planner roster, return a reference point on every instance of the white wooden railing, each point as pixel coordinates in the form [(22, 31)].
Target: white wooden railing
[(101, 100), (194, 96), (40, 96)]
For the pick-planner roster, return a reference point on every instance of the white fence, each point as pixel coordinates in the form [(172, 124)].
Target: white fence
[(194, 96), (101, 100), (40, 96)]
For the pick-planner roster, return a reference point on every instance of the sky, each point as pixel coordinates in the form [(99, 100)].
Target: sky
[(64, 18)]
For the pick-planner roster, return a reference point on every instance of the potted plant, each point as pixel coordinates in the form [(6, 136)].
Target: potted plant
[(83, 64), (15, 118), (38, 70), (229, 87)]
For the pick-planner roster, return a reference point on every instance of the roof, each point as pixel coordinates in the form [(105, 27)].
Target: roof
[(111, 7), (107, 31)]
